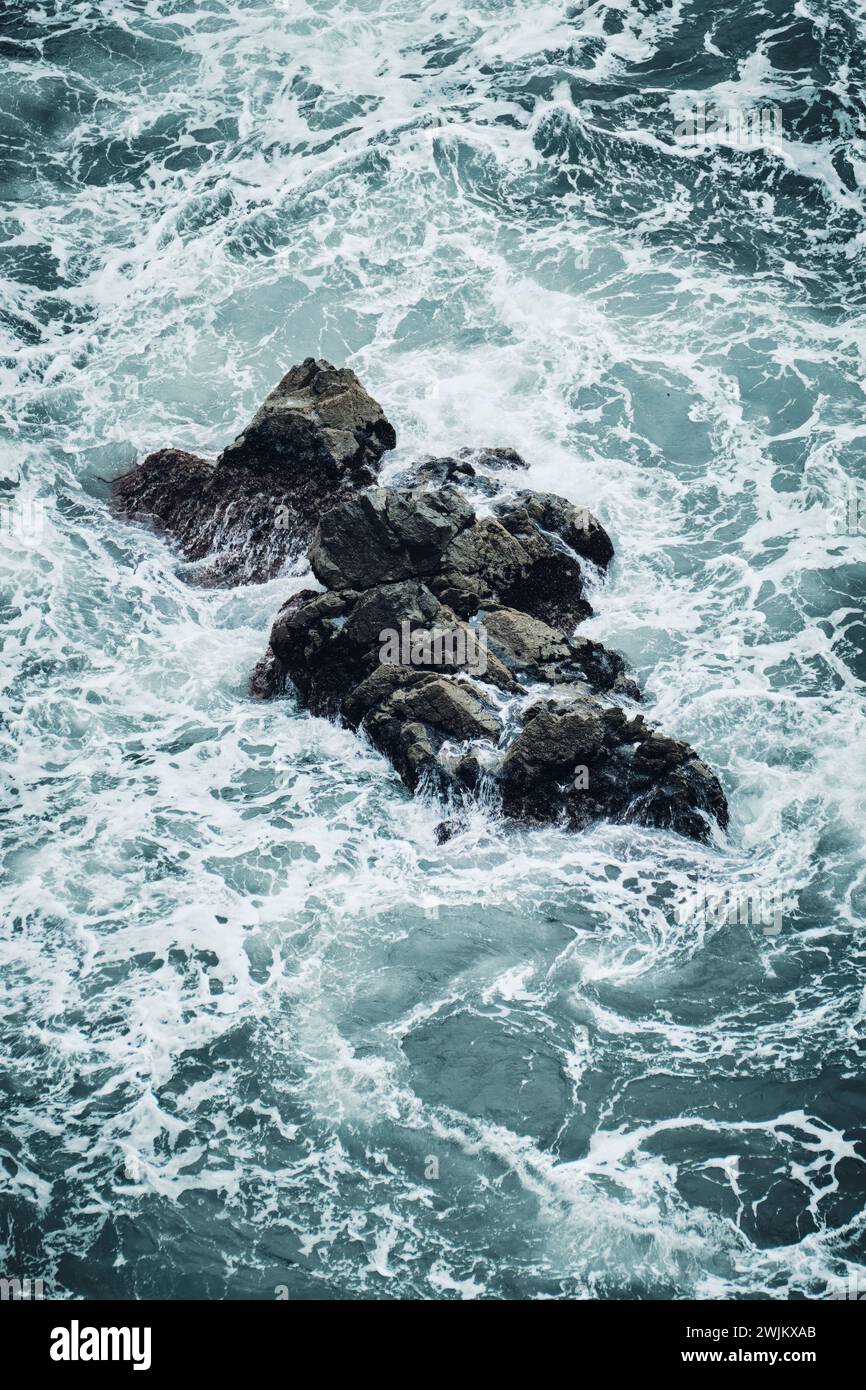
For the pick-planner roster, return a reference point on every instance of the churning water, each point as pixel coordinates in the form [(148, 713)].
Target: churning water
[(259, 1031)]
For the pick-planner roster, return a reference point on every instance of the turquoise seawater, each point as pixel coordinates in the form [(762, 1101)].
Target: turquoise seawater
[(258, 1031)]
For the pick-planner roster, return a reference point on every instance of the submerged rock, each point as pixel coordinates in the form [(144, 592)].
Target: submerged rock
[(317, 437), (445, 636), (469, 468)]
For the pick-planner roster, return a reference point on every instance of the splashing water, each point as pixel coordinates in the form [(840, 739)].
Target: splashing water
[(259, 1031)]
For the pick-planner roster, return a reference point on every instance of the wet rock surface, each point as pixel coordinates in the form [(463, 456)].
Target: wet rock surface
[(581, 761), (445, 626), (575, 527), (317, 437)]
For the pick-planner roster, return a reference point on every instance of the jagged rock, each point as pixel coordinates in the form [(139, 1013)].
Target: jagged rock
[(314, 651), (268, 678), (412, 723), (486, 556), (520, 568), (446, 830), (582, 761), (450, 706), (437, 472), (582, 532), (393, 556), (602, 668), (524, 643), (534, 651), (317, 437), (376, 689), (329, 644), (463, 470), (320, 407), (495, 459), (386, 534), (433, 723), (431, 618)]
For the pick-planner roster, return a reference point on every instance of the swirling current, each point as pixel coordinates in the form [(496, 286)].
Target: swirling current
[(261, 1035)]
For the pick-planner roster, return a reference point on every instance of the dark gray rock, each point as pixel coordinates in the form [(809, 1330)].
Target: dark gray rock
[(468, 469), (386, 534), (520, 568), (582, 761), (524, 643), (575, 526), (500, 459), (446, 830), (411, 725), (413, 578), (396, 555), (329, 644), (317, 437), (314, 404), (375, 690), (534, 651)]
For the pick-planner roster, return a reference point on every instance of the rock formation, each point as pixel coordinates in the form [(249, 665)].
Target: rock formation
[(316, 438), (445, 625)]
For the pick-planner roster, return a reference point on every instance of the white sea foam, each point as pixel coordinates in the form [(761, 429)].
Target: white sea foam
[(233, 949)]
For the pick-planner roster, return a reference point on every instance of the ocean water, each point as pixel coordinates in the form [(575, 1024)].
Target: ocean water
[(261, 1036)]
